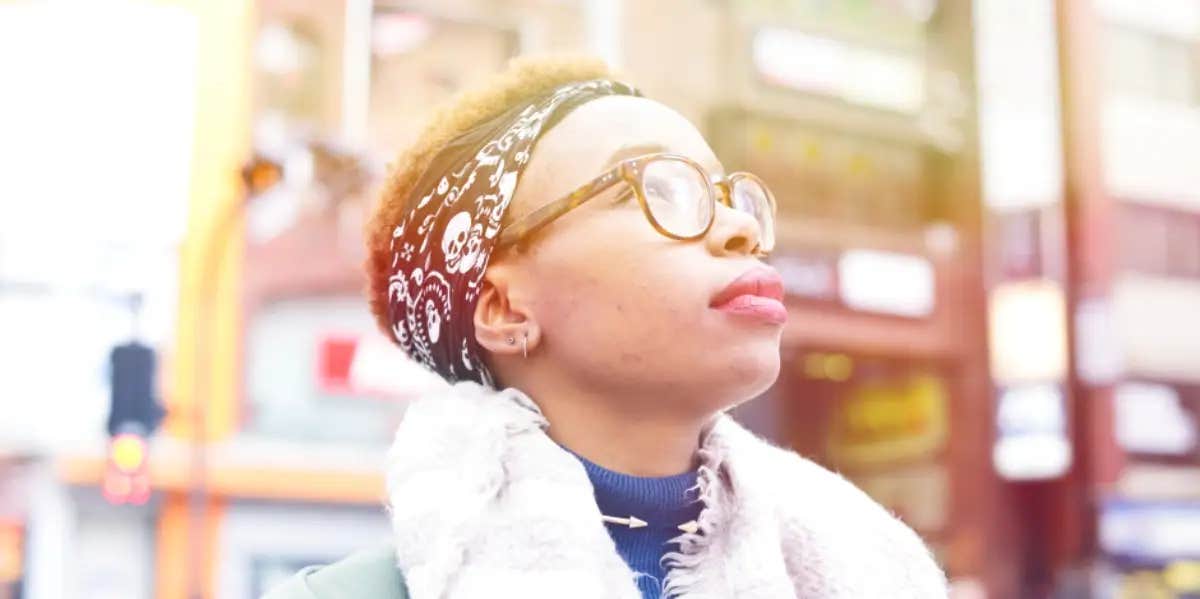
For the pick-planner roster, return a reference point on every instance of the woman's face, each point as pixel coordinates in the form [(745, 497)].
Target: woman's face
[(619, 306)]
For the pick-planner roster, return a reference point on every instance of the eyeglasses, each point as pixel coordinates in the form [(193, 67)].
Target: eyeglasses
[(677, 197)]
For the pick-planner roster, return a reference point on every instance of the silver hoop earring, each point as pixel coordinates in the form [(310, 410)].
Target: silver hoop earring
[(511, 340), (525, 346)]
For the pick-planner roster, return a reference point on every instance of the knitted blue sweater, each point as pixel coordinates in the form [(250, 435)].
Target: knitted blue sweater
[(662, 502)]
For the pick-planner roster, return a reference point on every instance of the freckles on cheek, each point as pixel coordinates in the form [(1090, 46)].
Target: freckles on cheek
[(655, 313), (575, 297)]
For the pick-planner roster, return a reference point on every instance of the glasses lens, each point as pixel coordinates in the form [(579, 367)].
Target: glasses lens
[(751, 197), (678, 196)]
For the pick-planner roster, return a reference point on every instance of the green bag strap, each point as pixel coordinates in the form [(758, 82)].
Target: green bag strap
[(365, 574)]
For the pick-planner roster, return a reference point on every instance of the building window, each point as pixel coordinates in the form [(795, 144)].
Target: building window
[(1160, 241), (1153, 65), (288, 390)]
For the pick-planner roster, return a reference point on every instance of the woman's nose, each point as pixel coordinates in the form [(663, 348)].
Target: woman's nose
[(733, 232)]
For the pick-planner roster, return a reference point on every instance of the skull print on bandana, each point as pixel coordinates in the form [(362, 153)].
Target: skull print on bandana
[(441, 246)]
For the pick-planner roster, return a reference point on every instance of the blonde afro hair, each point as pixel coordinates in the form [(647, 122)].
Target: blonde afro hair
[(523, 79)]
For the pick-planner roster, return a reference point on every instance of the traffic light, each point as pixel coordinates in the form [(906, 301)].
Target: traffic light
[(132, 399), (134, 415)]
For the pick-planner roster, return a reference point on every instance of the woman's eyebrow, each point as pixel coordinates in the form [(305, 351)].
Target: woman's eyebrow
[(633, 151), (641, 149)]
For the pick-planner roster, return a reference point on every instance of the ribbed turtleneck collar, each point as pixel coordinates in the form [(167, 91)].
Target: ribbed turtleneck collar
[(663, 502)]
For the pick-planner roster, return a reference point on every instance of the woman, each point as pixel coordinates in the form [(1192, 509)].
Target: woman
[(576, 262)]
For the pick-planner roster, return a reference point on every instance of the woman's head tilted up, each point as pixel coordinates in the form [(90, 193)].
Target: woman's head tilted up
[(557, 232)]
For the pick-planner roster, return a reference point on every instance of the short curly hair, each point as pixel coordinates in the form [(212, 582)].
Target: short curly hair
[(524, 78)]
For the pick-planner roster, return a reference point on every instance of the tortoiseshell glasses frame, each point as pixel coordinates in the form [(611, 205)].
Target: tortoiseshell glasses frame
[(632, 171)]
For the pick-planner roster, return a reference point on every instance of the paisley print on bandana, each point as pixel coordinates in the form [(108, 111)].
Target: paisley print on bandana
[(441, 247)]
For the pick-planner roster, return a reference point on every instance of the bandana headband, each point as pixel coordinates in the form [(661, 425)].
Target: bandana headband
[(442, 245)]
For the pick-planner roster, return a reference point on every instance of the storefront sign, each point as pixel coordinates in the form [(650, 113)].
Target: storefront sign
[(1150, 532), (1151, 419), (1031, 433), (888, 421), (809, 275), (370, 365), (1027, 331), (886, 283)]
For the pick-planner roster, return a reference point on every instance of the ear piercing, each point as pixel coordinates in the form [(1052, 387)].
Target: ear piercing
[(524, 345)]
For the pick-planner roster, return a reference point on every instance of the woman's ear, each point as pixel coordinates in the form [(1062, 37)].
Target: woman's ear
[(498, 318)]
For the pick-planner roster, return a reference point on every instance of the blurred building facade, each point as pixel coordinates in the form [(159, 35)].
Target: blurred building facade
[(989, 233), (1131, 109)]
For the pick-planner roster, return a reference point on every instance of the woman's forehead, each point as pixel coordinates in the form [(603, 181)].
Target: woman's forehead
[(602, 132), (597, 135)]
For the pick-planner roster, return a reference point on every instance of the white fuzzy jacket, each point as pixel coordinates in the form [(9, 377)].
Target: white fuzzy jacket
[(484, 504)]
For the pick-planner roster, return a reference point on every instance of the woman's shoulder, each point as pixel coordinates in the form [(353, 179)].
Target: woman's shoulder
[(797, 481), (365, 574), (820, 507)]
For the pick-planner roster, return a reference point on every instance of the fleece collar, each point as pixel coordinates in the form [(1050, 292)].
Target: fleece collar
[(484, 504)]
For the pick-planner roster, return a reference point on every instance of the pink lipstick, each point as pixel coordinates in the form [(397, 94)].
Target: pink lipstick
[(758, 293)]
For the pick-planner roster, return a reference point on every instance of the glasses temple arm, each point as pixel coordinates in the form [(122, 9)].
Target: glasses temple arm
[(542, 216)]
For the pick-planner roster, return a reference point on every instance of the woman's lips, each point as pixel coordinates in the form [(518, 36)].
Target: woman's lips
[(757, 306), (757, 293)]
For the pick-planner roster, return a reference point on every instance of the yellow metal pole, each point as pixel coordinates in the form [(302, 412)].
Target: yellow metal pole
[(202, 404), (221, 145)]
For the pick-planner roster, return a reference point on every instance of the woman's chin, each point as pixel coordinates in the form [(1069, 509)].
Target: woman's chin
[(749, 368)]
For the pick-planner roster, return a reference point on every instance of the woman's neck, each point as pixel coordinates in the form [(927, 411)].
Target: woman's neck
[(638, 444)]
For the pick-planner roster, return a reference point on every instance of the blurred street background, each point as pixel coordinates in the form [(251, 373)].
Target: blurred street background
[(989, 232)]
